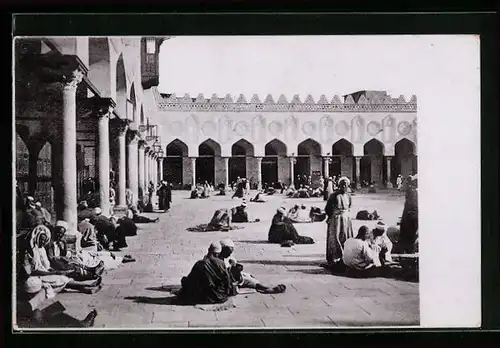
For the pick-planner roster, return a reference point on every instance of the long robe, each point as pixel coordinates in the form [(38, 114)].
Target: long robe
[(339, 225), (283, 230), (208, 282), (409, 220)]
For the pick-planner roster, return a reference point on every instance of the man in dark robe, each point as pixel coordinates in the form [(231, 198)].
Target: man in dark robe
[(409, 220), (209, 281), (282, 230), (162, 195)]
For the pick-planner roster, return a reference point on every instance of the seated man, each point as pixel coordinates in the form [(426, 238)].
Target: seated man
[(316, 214), (382, 241), (239, 214), (299, 214), (221, 221), (359, 257), (243, 279), (282, 230), (209, 281)]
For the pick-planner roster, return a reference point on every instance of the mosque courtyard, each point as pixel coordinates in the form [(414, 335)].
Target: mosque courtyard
[(139, 294)]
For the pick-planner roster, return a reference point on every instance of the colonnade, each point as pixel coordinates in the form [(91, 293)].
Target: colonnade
[(355, 176), (137, 163)]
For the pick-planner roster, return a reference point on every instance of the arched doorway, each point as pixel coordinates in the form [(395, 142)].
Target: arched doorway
[(372, 164), (132, 114), (173, 165), (205, 163), (308, 161), (22, 164), (273, 164), (121, 88), (241, 152), (342, 160), (44, 192), (405, 160)]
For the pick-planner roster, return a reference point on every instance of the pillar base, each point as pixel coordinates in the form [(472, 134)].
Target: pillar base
[(259, 186), (358, 186), (389, 185)]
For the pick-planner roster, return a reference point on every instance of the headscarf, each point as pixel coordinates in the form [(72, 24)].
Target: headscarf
[(281, 210), (346, 179), (36, 234)]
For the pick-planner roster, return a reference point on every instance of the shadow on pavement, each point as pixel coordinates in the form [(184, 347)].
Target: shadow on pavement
[(165, 288), (171, 300), (283, 262), (312, 271), (305, 255), (253, 241)]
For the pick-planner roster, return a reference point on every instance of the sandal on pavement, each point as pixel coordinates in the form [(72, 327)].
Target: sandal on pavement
[(279, 289)]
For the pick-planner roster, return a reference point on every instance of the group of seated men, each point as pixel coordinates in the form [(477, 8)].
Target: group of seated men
[(51, 257), (218, 276)]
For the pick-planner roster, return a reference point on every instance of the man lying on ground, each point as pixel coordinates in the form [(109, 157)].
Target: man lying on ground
[(244, 279), (209, 281)]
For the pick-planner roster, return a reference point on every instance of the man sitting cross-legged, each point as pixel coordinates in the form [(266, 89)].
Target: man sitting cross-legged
[(243, 279), (209, 281)]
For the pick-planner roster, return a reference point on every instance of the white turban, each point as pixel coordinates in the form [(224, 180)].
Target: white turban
[(97, 211), (227, 243), (215, 247), (346, 179)]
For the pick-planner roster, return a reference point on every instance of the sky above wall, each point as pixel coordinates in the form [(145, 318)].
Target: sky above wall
[(301, 65)]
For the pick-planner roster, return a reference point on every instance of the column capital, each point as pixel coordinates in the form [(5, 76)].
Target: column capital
[(132, 137), (62, 69), (142, 144), (118, 126)]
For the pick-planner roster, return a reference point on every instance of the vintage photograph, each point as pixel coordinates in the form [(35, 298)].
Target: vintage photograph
[(185, 182)]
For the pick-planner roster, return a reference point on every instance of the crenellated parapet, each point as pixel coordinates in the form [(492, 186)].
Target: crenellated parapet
[(376, 102)]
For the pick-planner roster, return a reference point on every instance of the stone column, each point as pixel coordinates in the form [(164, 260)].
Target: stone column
[(120, 128), (133, 170), (292, 174), (146, 170), (226, 171), (67, 192), (104, 159), (193, 167), (358, 171), (142, 170), (326, 167), (388, 168), (259, 173), (154, 167), (160, 168)]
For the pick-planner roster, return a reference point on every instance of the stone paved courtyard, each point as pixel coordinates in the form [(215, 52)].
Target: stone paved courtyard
[(137, 295)]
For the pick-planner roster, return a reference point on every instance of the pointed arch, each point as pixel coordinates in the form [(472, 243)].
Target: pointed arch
[(132, 114), (242, 148), (121, 87), (372, 165), (405, 159), (275, 148), (309, 147), (143, 118), (100, 65), (209, 148), (342, 147), (174, 163), (374, 147), (177, 148)]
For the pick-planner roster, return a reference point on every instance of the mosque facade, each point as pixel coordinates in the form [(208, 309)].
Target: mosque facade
[(367, 136)]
